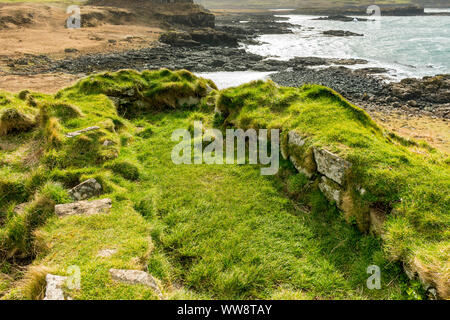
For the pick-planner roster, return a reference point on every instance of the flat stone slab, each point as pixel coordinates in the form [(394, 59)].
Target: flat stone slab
[(83, 208), (77, 133), (85, 190), (54, 288), (330, 165), (135, 277)]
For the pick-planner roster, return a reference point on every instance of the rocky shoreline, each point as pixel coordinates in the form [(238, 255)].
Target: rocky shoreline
[(218, 49)]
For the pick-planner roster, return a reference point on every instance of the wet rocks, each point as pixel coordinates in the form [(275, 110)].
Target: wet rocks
[(249, 26), (341, 33), (86, 208), (85, 190)]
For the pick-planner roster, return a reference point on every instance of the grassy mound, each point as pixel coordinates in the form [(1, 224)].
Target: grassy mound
[(16, 115), (211, 231), (138, 93), (409, 180)]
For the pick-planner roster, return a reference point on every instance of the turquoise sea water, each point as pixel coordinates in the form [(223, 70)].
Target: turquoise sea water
[(409, 46)]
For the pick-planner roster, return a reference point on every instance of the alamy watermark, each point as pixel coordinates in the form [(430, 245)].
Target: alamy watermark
[(374, 281), (73, 281), (191, 150), (74, 20)]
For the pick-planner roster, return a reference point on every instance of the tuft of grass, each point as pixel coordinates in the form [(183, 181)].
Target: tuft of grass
[(124, 168)]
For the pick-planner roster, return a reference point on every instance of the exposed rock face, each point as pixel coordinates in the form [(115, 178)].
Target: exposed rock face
[(85, 190), (135, 277), (83, 208), (332, 166), (77, 133), (197, 19), (331, 191), (54, 289)]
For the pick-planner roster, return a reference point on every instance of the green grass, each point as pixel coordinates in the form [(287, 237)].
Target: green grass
[(204, 231), (410, 177)]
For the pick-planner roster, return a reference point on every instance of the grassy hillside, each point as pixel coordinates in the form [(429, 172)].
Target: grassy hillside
[(206, 231)]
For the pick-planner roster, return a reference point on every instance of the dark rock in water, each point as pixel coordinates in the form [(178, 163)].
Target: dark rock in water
[(341, 33), (371, 70), (300, 62), (355, 10), (340, 18)]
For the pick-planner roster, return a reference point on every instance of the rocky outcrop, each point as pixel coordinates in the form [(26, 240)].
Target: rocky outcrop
[(199, 37), (434, 89), (85, 190), (86, 208), (135, 277), (54, 289)]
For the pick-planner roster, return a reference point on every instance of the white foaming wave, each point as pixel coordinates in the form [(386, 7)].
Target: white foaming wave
[(409, 46)]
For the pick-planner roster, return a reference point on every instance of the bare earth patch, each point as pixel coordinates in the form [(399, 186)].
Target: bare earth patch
[(46, 83), (435, 131), (41, 29)]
